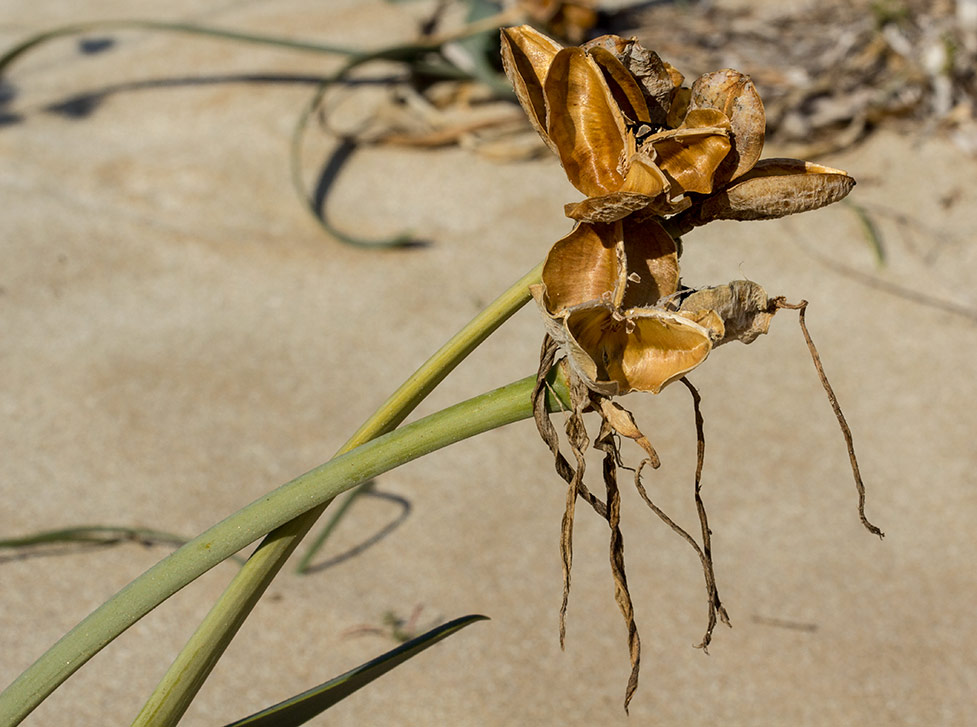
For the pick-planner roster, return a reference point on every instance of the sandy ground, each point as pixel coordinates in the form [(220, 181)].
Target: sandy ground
[(178, 337)]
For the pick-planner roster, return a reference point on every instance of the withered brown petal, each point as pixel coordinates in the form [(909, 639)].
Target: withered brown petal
[(734, 94), (624, 88), (742, 305), (776, 188), (582, 266), (690, 154), (584, 122), (526, 57)]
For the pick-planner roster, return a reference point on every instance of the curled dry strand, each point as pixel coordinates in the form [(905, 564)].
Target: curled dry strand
[(606, 443), (715, 605), (801, 307), (716, 609), (577, 434), (615, 421)]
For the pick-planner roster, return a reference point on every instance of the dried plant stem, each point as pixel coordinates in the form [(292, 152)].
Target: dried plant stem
[(801, 307)]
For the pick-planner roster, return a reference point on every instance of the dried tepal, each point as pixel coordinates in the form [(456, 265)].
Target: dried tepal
[(654, 159)]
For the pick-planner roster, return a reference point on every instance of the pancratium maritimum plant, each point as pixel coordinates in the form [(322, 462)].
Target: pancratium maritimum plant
[(654, 159)]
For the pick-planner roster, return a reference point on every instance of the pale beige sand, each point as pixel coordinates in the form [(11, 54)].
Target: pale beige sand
[(178, 337)]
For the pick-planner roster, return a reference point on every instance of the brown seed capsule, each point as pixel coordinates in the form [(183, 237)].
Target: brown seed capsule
[(526, 57), (742, 305), (734, 94), (777, 188)]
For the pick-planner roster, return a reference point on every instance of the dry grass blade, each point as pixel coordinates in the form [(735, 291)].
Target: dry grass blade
[(801, 307)]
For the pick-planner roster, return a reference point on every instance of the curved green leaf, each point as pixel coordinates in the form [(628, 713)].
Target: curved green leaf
[(303, 707)]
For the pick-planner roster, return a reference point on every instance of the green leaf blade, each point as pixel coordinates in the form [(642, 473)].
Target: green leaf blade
[(303, 707)]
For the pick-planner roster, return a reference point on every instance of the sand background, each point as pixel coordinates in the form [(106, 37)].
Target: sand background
[(177, 337)]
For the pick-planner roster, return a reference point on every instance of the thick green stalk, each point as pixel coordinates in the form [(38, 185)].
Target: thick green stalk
[(495, 409), (193, 664)]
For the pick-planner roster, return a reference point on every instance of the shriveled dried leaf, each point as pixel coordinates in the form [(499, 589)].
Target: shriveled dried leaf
[(622, 421), (585, 123), (605, 442)]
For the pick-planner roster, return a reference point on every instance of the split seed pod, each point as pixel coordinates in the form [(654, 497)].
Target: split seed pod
[(743, 307), (603, 122), (601, 290), (773, 188), (634, 141)]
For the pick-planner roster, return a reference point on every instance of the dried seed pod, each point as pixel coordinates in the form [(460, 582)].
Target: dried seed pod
[(623, 86), (690, 154), (625, 264), (585, 123), (734, 94), (773, 188), (658, 80), (742, 305), (526, 57), (642, 350), (618, 205)]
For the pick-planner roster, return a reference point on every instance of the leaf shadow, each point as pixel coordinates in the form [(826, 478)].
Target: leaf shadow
[(369, 542)]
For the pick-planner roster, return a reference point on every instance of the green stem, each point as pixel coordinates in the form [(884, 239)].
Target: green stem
[(191, 28), (495, 409), (340, 512), (194, 663)]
